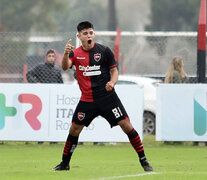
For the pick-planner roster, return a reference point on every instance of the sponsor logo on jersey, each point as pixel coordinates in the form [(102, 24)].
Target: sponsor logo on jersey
[(90, 70), (97, 57), (81, 116), (92, 73), (81, 57)]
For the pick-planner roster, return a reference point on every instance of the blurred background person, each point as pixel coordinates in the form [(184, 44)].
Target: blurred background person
[(176, 73), (46, 72)]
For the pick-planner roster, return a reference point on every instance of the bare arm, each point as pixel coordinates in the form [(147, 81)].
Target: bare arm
[(114, 78), (66, 62)]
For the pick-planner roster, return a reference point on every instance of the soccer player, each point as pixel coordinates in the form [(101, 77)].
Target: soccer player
[(97, 75)]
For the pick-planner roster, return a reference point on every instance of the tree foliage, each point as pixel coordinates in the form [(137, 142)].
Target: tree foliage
[(176, 15), (24, 15), (83, 10)]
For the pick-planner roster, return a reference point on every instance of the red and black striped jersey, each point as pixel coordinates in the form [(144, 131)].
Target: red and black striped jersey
[(93, 70)]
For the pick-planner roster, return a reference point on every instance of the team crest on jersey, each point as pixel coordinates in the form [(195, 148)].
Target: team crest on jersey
[(81, 116), (97, 57)]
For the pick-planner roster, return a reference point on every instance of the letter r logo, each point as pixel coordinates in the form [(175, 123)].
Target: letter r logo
[(5, 111), (31, 116)]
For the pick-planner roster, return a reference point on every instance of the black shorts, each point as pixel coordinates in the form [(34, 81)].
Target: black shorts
[(110, 108)]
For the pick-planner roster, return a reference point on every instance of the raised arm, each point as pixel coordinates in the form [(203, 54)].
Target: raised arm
[(66, 62)]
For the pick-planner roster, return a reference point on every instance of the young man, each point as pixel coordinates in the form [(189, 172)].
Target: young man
[(47, 72), (97, 75)]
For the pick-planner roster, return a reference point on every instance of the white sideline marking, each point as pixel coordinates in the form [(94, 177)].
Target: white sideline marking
[(119, 177)]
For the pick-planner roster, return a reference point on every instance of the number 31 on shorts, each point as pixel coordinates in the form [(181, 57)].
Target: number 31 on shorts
[(117, 112)]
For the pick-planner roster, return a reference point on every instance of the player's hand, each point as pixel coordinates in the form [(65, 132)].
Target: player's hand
[(109, 86), (68, 47)]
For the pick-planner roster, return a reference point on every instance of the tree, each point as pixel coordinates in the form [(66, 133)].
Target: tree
[(82, 10), (24, 15), (176, 15)]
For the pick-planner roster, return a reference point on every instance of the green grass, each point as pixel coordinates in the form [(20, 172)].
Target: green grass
[(32, 161)]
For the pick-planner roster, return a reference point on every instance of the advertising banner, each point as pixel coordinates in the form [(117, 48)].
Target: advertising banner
[(181, 112), (43, 112)]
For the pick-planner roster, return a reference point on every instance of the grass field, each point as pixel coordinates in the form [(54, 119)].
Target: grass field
[(32, 161)]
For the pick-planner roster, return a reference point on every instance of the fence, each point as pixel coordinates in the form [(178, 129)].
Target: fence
[(22, 51), (141, 53), (150, 53)]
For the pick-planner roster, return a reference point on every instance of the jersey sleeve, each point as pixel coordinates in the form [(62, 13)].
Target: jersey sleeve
[(71, 57), (110, 58)]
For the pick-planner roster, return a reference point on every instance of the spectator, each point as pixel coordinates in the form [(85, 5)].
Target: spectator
[(176, 73), (46, 72)]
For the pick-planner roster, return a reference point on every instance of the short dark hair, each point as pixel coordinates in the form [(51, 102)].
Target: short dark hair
[(49, 51), (84, 25)]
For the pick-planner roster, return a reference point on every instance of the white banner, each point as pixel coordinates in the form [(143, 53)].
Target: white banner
[(181, 112), (43, 112)]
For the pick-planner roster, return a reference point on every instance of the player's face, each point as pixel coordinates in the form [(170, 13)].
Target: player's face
[(51, 58), (86, 37)]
